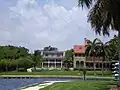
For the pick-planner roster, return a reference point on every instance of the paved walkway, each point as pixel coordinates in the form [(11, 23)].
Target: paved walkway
[(40, 86)]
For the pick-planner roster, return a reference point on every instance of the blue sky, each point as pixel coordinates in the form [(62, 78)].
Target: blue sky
[(38, 23)]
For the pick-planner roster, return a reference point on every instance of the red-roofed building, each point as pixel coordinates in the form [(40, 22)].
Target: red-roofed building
[(79, 54), (80, 60)]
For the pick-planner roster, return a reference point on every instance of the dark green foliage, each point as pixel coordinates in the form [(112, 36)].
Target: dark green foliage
[(113, 44), (9, 57), (12, 52), (22, 70), (37, 58), (104, 15), (99, 49), (15, 58), (68, 60), (88, 3)]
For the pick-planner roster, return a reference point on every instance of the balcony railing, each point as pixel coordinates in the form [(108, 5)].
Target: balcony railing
[(51, 62), (79, 57), (53, 56)]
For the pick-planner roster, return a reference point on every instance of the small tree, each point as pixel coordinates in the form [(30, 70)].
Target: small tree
[(84, 73), (68, 60), (37, 59)]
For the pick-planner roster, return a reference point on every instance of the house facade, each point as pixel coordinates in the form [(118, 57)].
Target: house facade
[(80, 60), (53, 58)]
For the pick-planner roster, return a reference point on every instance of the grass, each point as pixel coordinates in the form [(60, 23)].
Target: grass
[(72, 73), (80, 85)]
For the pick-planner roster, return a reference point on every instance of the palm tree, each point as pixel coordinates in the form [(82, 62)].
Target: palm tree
[(104, 51), (104, 16), (92, 49), (113, 44)]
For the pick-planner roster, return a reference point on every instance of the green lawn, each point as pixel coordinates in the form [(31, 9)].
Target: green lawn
[(80, 85), (73, 73)]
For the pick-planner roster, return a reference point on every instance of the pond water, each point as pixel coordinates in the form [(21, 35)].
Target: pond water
[(15, 83)]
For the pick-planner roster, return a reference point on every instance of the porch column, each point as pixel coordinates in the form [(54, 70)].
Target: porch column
[(55, 63), (42, 64), (106, 65), (61, 64), (99, 65), (48, 64), (109, 64)]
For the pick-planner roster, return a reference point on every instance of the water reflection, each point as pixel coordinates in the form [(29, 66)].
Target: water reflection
[(13, 84)]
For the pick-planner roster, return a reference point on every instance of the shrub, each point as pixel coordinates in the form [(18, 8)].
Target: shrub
[(22, 70)]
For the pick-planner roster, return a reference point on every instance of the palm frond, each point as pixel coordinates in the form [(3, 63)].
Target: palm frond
[(104, 16), (88, 3)]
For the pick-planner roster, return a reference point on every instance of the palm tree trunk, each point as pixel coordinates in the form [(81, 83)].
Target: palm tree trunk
[(34, 67), (102, 68), (119, 53), (106, 66), (94, 66), (109, 65)]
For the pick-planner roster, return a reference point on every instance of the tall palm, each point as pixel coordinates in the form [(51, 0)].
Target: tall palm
[(104, 16), (104, 51), (92, 49)]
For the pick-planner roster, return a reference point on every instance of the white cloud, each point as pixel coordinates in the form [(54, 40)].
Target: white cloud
[(33, 26)]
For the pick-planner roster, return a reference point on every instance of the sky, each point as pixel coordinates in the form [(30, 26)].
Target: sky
[(35, 24)]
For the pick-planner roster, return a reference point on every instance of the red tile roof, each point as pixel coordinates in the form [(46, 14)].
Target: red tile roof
[(79, 48)]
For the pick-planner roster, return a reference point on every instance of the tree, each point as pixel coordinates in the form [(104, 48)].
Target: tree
[(92, 49), (25, 62), (104, 16), (103, 51), (68, 60), (13, 52), (10, 55), (113, 44), (37, 59)]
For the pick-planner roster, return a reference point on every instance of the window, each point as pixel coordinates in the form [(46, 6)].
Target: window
[(58, 60), (46, 54), (46, 60)]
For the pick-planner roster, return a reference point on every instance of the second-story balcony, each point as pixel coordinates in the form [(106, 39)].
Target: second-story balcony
[(79, 57), (51, 62), (55, 56)]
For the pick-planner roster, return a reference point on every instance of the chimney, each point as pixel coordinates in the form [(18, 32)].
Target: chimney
[(86, 42)]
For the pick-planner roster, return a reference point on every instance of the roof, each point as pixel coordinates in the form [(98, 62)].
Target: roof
[(52, 51), (79, 48)]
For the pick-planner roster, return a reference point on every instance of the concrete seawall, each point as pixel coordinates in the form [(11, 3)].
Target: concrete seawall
[(53, 76)]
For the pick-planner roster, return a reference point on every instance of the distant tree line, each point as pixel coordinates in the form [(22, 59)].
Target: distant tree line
[(18, 58)]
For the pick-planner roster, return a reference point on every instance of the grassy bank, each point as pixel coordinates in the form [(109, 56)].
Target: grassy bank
[(72, 73), (80, 85)]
